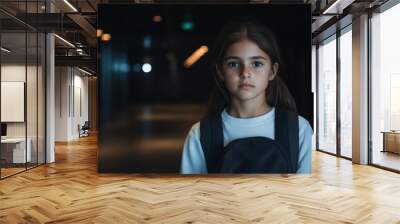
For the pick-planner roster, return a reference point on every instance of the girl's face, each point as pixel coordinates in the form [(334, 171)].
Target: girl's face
[(246, 71)]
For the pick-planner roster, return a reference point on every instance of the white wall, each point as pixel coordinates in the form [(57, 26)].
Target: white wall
[(16, 72), (12, 73), (62, 81), (33, 126), (80, 84), (71, 93)]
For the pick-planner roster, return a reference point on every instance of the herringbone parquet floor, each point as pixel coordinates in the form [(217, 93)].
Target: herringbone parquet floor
[(71, 191)]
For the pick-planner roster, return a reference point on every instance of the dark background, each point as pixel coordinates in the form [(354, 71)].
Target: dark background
[(144, 117)]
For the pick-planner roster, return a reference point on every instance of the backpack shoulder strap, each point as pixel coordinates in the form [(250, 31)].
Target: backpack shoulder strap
[(287, 133), (211, 139)]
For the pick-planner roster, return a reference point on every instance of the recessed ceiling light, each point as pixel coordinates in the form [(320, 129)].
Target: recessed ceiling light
[(70, 5), (65, 41), (157, 19), (5, 49), (84, 71), (106, 37), (99, 32)]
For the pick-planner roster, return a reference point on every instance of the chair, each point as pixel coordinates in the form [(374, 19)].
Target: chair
[(84, 130)]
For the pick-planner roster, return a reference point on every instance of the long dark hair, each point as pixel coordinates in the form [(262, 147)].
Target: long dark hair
[(277, 93)]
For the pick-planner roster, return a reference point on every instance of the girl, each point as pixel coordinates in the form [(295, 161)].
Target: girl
[(250, 94)]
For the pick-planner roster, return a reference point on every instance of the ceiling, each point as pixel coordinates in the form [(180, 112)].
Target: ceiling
[(77, 22)]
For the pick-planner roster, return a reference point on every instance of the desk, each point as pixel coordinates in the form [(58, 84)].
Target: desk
[(15, 148), (391, 141)]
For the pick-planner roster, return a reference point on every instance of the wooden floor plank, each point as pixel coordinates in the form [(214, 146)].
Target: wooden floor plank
[(71, 191)]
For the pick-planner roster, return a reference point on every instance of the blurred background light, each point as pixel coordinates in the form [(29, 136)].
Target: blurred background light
[(146, 67)]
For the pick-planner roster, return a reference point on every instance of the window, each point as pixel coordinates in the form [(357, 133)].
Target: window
[(22, 77), (346, 93), (385, 87), (327, 95)]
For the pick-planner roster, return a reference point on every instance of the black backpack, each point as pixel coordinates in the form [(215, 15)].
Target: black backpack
[(253, 154)]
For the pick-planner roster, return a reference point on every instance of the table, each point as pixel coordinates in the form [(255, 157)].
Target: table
[(391, 141), (15, 148)]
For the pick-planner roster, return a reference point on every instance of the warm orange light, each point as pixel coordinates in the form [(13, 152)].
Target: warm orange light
[(106, 37), (195, 56), (99, 32), (157, 19)]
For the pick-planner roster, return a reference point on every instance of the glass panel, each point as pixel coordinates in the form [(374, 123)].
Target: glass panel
[(23, 81), (327, 96), (346, 94), (13, 87), (385, 84), (31, 100), (41, 99), (314, 85), (31, 84)]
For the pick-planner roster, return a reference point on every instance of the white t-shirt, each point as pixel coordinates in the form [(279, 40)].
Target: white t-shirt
[(193, 161)]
